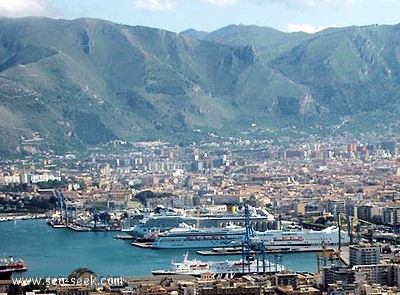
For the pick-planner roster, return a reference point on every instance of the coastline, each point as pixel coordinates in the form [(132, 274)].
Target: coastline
[(49, 252), (4, 217)]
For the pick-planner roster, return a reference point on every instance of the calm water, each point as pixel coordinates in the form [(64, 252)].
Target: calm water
[(57, 252)]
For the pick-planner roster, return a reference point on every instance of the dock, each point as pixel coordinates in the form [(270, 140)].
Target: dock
[(345, 255), (4, 217), (221, 251), (142, 244), (238, 251), (76, 227), (123, 237)]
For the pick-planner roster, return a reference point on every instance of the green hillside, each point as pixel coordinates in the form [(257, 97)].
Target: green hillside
[(74, 84)]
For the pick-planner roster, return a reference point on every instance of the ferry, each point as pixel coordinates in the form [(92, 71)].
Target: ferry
[(185, 237), (9, 265), (290, 240), (219, 269)]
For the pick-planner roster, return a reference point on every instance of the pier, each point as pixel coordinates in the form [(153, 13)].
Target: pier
[(237, 251), (345, 255), (123, 237), (17, 216)]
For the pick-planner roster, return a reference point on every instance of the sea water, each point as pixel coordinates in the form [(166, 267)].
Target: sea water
[(50, 252)]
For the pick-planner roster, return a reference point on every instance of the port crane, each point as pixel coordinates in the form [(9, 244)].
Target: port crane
[(325, 255), (95, 216), (61, 204), (253, 247), (356, 228), (353, 226), (99, 217), (103, 217)]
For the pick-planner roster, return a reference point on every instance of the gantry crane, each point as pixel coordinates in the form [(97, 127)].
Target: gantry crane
[(325, 255), (353, 227), (251, 243), (358, 221)]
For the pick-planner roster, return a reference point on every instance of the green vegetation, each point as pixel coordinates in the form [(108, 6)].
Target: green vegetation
[(104, 81), (52, 184), (19, 203), (143, 196), (14, 188)]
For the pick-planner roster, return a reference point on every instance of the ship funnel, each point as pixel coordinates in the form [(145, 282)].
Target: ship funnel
[(231, 208)]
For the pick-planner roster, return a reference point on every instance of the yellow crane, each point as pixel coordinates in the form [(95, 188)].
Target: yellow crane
[(325, 255), (353, 226)]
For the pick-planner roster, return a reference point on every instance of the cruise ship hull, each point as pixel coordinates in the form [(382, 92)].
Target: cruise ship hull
[(149, 225), (272, 239)]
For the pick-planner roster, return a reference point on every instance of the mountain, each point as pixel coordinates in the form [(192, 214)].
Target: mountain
[(352, 72), (70, 84), (267, 42), (353, 69)]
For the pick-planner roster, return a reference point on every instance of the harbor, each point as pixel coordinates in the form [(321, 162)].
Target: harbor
[(244, 247), (50, 252)]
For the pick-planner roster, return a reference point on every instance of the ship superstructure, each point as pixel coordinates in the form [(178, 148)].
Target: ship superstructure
[(9, 265), (223, 268), (158, 223), (295, 239), (185, 237)]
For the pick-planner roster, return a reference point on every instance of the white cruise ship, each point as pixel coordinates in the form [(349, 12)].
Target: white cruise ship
[(225, 268), (186, 237), (158, 223)]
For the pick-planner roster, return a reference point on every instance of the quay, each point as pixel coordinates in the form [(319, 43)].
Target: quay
[(123, 237), (76, 227), (345, 255), (18, 216), (237, 250), (153, 279)]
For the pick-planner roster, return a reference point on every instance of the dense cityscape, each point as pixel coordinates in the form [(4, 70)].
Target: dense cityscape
[(351, 184)]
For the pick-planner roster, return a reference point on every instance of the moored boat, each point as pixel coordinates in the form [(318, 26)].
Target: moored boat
[(223, 268), (186, 237), (9, 265), (260, 219)]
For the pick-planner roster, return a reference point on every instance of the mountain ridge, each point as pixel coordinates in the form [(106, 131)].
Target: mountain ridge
[(80, 83)]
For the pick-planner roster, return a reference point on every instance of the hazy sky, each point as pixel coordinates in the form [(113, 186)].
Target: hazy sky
[(209, 15)]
